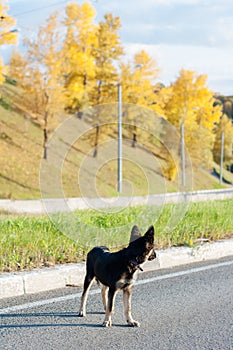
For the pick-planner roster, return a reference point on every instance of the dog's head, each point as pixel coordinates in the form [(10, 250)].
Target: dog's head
[(143, 246), (149, 239)]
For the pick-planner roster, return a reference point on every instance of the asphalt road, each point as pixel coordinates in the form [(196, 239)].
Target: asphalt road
[(190, 307)]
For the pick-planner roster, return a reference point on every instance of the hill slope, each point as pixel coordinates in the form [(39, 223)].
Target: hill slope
[(82, 175)]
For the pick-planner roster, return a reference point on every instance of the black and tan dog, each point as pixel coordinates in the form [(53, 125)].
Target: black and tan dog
[(116, 271)]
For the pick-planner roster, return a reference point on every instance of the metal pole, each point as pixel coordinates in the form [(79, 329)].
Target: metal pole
[(119, 179), (183, 155), (221, 157)]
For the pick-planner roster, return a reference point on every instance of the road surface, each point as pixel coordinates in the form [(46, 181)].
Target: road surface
[(190, 307)]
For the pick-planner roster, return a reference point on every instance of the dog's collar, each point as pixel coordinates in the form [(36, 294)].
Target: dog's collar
[(136, 264)]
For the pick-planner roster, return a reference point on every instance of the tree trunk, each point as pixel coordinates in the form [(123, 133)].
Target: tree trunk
[(96, 141), (134, 142), (99, 92), (45, 135)]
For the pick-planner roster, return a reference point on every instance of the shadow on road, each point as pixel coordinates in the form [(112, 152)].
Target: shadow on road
[(48, 315)]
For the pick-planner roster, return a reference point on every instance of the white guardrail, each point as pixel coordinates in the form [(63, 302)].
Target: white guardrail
[(44, 206)]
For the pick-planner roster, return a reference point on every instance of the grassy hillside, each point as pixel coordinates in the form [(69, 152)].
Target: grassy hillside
[(21, 153)]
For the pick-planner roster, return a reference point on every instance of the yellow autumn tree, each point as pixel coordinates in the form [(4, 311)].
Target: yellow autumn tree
[(8, 35), (162, 95), (38, 72), (107, 55), (224, 127), (137, 80), (191, 103), (17, 66), (79, 64)]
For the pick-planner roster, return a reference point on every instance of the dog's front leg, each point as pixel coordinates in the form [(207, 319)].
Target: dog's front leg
[(127, 293), (110, 307), (104, 293)]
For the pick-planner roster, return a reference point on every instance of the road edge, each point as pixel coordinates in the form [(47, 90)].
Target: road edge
[(42, 280)]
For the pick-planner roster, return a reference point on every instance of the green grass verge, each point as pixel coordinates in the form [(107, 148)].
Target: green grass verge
[(27, 242)]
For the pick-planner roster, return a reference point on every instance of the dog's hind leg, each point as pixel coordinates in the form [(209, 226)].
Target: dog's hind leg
[(87, 285), (127, 293), (110, 307), (104, 293)]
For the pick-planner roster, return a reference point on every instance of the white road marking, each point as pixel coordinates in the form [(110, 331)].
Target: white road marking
[(97, 291), (185, 272)]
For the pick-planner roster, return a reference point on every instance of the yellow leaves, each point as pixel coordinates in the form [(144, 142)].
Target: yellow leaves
[(137, 79), (85, 62), (170, 171), (17, 66), (108, 38), (148, 66), (72, 12), (75, 13), (2, 79), (145, 71), (190, 102), (38, 72), (8, 38), (107, 54), (77, 48), (162, 96), (81, 19), (91, 52), (7, 35), (225, 126), (88, 12)]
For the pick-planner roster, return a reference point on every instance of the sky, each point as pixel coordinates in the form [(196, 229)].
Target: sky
[(190, 34)]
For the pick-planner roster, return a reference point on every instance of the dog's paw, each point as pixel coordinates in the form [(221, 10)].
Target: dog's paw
[(133, 323), (107, 324), (81, 314)]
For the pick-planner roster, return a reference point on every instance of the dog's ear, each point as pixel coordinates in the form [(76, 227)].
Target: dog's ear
[(135, 234), (149, 235)]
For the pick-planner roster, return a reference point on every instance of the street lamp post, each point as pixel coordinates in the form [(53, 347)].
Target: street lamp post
[(119, 157), (221, 157), (183, 154)]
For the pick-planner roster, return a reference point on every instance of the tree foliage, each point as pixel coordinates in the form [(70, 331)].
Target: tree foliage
[(224, 127), (79, 63), (39, 74), (8, 35), (107, 55), (137, 79), (189, 101)]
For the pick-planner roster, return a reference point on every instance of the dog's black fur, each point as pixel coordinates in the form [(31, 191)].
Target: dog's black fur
[(116, 271)]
